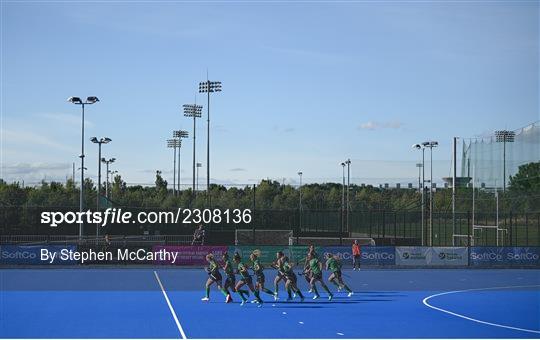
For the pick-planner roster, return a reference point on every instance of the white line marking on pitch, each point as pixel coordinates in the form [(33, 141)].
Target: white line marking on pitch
[(170, 307), (476, 320)]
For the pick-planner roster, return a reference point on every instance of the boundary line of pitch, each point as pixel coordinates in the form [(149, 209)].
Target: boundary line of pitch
[(425, 302), (182, 333)]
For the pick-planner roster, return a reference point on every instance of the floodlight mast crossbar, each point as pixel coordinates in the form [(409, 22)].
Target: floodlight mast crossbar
[(174, 143), (179, 134), (195, 111), (208, 87), (103, 140), (78, 101), (504, 136)]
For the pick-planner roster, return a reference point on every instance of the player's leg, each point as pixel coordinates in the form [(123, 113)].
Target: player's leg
[(241, 291), (314, 288), (255, 292), (209, 282), (343, 284), (333, 279)]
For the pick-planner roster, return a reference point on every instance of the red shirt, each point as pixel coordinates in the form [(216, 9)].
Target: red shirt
[(355, 249)]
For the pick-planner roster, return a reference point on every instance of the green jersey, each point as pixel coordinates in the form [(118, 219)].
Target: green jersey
[(243, 270), (229, 268), (333, 265), (213, 267), (257, 267), (314, 266)]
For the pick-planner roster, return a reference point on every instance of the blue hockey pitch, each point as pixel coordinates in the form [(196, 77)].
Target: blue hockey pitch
[(166, 303)]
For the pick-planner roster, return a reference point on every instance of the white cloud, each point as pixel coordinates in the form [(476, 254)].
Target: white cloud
[(64, 118), (371, 125)]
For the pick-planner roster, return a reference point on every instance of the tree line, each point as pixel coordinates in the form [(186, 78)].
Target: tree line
[(522, 195)]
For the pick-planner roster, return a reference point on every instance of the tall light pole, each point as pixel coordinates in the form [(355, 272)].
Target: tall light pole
[(109, 197), (299, 208), (195, 111), (174, 143), (430, 145), (420, 147), (107, 162), (342, 199), (77, 101), (504, 136), (208, 87), (179, 134), (103, 140), (419, 166), (198, 166), (348, 162)]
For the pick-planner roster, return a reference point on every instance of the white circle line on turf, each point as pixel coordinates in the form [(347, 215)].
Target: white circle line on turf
[(425, 302), (170, 306)]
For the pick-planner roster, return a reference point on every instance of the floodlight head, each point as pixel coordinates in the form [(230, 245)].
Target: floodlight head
[(75, 100), (112, 160), (199, 165), (299, 173), (92, 100), (94, 140), (417, 146), (342, 164), (106, 140), (103, 160)]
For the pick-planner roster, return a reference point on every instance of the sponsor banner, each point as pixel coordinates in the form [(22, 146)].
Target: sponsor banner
[(370, 255), (378, 256), (268, 253), (449, 256), (191, 255), (413, 256), (493, 256), (17, 254)]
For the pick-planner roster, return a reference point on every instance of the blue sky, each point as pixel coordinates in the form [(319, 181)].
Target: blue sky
[(305, 85)]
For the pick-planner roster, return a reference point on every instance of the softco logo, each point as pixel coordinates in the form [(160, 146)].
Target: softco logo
[(486, 256), (377, 256), (442, 255), (522, 256), (406, 255), (18, 255)]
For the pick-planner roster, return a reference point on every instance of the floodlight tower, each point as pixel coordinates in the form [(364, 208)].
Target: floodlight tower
[(430, 145), (504, 136), (342, 197), (174, 143), (111, 172), (348, 162), (198, 166), (78, 101), (103, 140), (195, 111), (420, 147), (107, 162), (208, 87), (300, 173), (179, 134)]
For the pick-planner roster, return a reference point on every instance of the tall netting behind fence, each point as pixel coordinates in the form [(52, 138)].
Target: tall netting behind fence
[(493, 159)]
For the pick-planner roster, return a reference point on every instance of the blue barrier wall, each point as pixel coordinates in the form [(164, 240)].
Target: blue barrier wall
[(504, 256)]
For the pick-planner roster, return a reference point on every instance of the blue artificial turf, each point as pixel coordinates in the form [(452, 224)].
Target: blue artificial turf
[(128, 303)]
